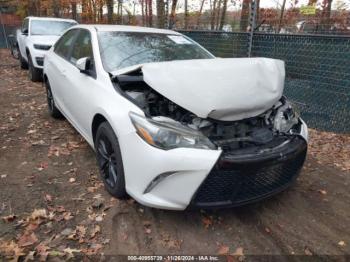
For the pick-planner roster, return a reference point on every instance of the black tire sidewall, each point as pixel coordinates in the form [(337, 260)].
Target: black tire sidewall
[(23, 63), (35, 73), (119, 189), (54, 112)]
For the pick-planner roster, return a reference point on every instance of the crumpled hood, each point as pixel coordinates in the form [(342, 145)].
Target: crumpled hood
[(227, 89), (44, 39)]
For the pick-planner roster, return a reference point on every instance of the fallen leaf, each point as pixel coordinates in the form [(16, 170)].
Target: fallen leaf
[(9, 218), (308, 252), (95, 231), (11, 249), (48, 198), (70, 252), (238, 252), (27, 240), (30, 256), (3, 176), (207, 222), (99, 218), (60, 209), (67, 216), (38, 213), (341, 243), (322, 192), (223, 250)]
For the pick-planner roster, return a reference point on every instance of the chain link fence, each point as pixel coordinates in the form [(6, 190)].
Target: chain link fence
[(317, 67)]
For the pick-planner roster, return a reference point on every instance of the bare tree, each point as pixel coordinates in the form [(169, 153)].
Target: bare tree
[(186, 14), (74, 10), (150, 13), (160, 13), (56, 8), (245, 15), (110, 7), (172, 14), (326, 15), (223, 15), (200, 13)]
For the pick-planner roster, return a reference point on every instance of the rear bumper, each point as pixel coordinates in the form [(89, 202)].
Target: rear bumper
[(238, 179)]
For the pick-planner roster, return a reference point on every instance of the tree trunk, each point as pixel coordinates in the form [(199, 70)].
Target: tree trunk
[(143, 11), (84, 11), (55, 8), (186, 14), (217, 15), (74, 10), (245, 15), (223, 15), (110, 6), (281, 16), (326, 16), (213, 15), (200, 13), (172, 14), (160, 13), (150, 15)]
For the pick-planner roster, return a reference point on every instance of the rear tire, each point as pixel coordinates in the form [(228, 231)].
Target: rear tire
[(35, 74), (23, 63), (53, 110), (110, 161)]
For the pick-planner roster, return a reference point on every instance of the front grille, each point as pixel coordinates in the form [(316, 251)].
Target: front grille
[(234, 182)]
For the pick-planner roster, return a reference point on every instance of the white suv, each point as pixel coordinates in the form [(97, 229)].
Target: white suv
[(36, 36)]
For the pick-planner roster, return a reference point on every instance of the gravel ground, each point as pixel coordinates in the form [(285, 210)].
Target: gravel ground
[(53, 205)]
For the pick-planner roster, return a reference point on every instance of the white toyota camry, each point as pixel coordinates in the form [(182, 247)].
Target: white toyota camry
[(173, 126)]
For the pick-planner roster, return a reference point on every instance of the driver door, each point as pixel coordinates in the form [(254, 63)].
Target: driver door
[(80, 87)]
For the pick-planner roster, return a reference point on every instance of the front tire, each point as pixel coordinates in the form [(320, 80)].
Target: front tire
[(23, 63), (110, 161), (53, 110), (35, 74)]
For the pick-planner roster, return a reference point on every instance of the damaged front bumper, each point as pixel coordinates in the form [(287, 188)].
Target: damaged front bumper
[(238, 179), (186, 178)]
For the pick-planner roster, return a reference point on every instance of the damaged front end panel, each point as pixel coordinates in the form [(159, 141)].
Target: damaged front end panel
[(261, 155), (255, 132)]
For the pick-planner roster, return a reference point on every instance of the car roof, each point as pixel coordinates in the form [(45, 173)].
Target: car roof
[(125, 28), (51, 18)]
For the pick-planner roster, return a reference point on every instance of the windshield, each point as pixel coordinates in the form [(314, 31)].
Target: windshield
[(123, 49), (47, 27)]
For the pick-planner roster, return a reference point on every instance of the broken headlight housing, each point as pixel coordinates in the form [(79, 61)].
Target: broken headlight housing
[(169, 135), (286, 117)]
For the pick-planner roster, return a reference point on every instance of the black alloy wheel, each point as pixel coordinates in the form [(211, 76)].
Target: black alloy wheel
[(109, 160)]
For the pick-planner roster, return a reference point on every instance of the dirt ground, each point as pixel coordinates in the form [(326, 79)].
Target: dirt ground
[(53, 205)]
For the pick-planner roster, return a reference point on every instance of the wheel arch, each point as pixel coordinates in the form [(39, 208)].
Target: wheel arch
[(96, 122)]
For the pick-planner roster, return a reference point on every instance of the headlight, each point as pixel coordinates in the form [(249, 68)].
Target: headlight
[(286, 117), (42, 47), (167, 135)]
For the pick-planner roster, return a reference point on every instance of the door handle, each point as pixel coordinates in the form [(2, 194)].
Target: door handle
[(63, 72)]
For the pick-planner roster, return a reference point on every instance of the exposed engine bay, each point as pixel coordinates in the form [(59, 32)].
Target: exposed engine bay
[(256, 133)]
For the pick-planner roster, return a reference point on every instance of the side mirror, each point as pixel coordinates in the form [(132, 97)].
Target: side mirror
[(84, 65), (25, 32)]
